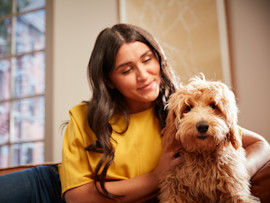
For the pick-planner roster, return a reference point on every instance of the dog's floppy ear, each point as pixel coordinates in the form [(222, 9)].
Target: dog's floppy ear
[(229, 108), (235, 136), (170, 138), (169, 132)]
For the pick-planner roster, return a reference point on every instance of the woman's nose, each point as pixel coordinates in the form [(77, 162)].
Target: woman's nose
[(141, 73)]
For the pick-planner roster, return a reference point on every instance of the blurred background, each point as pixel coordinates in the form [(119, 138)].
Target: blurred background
[(45, 46)]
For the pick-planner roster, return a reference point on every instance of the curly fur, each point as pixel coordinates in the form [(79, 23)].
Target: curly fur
[(214, 167)]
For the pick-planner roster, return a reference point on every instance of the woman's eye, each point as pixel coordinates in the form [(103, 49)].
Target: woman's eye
[(147, 59), (213, 105), (127, 70)]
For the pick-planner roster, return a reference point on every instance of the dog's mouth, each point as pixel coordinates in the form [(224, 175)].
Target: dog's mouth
[(202, 137)]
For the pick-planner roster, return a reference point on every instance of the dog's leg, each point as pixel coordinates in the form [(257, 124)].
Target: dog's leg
[(171, 191), (238, 193), (238, 199)]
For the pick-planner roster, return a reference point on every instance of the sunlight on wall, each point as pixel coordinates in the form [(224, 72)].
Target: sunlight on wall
[(188, 30)]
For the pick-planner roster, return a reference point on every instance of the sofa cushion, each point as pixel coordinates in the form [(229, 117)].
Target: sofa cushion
[(260, 183)]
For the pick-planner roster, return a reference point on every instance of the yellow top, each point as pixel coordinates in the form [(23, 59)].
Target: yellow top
[(137, 151)]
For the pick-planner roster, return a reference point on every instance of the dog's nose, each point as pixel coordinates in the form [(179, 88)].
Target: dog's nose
[(202, 127)]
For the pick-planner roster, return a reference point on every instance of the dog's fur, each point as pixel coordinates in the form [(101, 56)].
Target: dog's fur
[(202, 124)]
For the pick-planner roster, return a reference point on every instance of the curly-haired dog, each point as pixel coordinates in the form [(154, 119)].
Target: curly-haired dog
[(202, 124)]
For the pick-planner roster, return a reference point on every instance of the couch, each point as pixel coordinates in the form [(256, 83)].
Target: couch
[(260, 182)]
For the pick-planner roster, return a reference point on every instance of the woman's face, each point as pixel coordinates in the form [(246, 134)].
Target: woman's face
[(136, 75)]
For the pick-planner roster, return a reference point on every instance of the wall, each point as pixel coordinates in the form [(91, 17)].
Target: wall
[(249, 34), (75, 26), (187, 30)]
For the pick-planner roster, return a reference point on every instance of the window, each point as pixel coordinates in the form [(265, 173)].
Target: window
[(22, 81)]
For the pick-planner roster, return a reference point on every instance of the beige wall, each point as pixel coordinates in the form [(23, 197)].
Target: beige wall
[(75, 26), (187, 30), (249, 32)]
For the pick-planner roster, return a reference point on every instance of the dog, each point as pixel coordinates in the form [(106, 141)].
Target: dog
[(202, 126)]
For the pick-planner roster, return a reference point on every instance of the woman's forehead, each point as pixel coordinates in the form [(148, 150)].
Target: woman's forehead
[(131, 51)]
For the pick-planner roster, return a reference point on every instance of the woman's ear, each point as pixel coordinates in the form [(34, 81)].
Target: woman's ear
[(109, 84)]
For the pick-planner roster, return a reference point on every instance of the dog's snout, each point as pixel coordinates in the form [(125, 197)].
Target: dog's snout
[(202, 127)]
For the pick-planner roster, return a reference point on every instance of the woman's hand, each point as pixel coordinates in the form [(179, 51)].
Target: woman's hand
[(257, 151), (168, 160)]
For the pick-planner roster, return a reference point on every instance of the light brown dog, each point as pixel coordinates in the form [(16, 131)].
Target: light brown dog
[(202, 124)]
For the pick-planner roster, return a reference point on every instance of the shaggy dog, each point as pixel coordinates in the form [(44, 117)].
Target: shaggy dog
[(202, 124)]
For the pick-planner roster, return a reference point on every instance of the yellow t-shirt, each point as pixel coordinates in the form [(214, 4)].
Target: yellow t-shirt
[(137, 151)]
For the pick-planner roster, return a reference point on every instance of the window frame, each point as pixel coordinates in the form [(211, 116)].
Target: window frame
[(47, 128)]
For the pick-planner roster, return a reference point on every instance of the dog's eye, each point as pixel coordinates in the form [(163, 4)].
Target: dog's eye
[(213, 105), (188, 108)]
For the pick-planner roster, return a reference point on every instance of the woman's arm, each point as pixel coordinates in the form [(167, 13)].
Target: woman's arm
[(257, 151), (134, 189)]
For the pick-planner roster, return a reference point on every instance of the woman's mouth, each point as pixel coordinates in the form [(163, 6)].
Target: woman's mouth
[(147, 86)]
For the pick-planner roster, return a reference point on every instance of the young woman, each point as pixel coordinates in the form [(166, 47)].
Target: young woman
[(112, 146)]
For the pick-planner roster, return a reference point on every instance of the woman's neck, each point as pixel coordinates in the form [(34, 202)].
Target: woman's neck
[(139, 107)]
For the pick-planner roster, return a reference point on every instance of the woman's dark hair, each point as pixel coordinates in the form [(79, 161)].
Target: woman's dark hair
[(106, 102)]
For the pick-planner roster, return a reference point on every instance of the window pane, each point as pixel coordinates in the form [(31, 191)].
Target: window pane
[(4, 156), (5, 36), (29, 75), (28, 153), (4, 79), (30, 30), (4, 122), (5, 7), (28, 117), (16, 151), (26, 5)]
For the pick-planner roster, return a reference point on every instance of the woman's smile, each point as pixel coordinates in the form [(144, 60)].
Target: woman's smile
[(147, 86)]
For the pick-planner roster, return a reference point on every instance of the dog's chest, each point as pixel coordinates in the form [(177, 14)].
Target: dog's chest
[(200, 174), (206, 177)]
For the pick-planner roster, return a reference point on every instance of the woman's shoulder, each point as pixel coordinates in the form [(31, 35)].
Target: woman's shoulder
[(79, 119), (79, 109), (79, 114)]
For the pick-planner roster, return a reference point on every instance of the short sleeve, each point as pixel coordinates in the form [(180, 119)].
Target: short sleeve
[(75, 169), (240, 131)]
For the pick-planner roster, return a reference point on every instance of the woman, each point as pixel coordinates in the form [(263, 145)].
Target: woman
[(112, 149)]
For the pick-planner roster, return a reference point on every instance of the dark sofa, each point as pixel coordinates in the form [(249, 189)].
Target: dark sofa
[(260, 182)]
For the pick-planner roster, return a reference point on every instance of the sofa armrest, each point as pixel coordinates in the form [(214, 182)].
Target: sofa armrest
[(7, 170), (260, 183)]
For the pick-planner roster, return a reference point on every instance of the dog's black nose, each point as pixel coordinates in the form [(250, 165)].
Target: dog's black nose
[(202, 127)]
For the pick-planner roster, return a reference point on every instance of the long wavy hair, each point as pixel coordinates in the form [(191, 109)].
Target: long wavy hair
[(106, 102)]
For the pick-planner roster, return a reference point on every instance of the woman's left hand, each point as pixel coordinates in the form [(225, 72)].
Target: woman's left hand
[(257, 151)]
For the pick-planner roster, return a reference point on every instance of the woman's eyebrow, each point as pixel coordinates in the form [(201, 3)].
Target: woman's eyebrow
[(127, 63), (145, 53), (121, 65)]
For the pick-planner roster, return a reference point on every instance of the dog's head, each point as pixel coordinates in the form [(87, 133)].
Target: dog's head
[(202, 116)]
